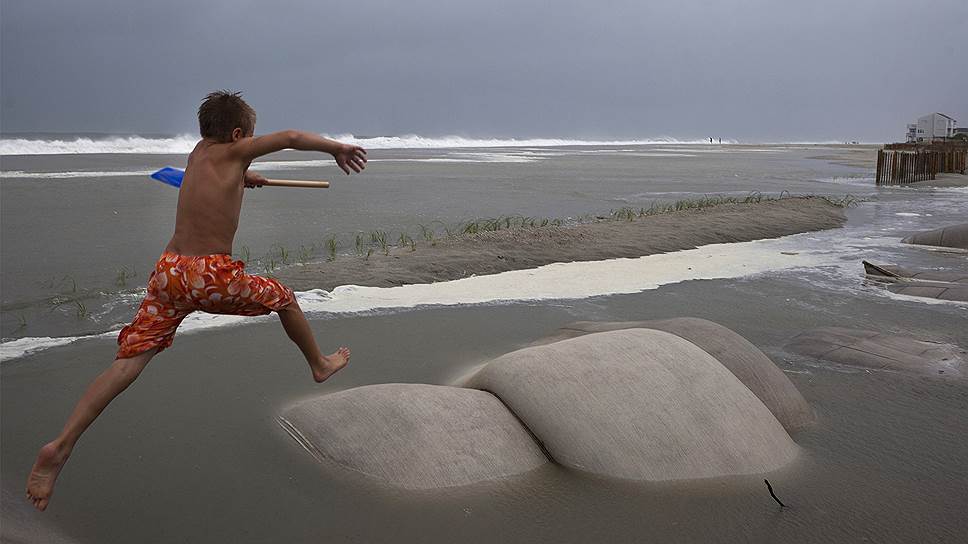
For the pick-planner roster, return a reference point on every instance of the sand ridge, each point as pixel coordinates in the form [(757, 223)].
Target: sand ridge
[(463, 256)]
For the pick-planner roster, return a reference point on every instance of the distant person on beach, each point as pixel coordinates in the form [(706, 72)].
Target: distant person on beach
[(196, 271)]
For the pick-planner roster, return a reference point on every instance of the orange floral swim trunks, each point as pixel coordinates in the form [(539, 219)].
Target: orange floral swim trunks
[(182, 284)]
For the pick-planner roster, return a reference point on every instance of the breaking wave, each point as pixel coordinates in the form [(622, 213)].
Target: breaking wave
[(184, 143), (19, 174), (84, 145)]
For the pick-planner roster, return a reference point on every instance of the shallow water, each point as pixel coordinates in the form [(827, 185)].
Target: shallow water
[(829, 258), (77, 248)]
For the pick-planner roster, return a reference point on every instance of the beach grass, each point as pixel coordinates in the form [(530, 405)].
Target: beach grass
[(366, 243), (657, 208), (123, 275), (70, 297), (304, 254)]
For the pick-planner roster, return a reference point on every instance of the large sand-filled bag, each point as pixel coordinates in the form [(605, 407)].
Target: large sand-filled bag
[(930, 283), (415, 436), (871, 349), (639, 404), (736, 353), (951, 236)]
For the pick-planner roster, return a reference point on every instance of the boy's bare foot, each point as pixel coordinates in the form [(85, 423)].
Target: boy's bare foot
[(329, 364), (40, 483)]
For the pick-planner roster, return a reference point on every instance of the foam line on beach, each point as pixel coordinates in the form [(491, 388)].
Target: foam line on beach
[(196, 322), (14, 349), (575, 280)]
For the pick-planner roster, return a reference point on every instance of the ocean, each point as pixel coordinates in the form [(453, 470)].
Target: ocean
[(81, 224)]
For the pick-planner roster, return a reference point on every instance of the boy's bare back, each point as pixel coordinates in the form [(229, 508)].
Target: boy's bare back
[(209, 202), (210, 199)]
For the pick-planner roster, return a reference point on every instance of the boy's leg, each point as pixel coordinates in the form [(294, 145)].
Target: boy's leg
[(50, 460), (323, 366)]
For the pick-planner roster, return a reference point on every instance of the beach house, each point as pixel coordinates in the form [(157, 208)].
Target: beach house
[(932, 127)]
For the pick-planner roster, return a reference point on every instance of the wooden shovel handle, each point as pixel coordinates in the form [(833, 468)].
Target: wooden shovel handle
[(295, 183)]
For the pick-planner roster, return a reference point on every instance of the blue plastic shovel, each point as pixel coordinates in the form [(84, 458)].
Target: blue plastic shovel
[(173, 176)]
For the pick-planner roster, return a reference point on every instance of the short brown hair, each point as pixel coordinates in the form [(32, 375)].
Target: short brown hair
[(222, 112)]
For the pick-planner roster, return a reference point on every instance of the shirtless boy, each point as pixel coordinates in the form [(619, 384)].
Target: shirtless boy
[(196, 271)]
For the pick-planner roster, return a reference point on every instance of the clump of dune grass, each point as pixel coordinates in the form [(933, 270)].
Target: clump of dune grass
[(380, 237), (283, 254), (269, 264), (846, 201), (504, 222), (406, 240), (123, 275), (331, 247), (755, 197), (304, 255), (71, 296)]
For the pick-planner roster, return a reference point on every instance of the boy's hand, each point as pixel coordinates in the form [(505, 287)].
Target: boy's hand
[(253, 179), (350, 157)]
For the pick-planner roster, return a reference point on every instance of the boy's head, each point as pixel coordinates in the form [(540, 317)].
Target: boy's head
[(225, 117)]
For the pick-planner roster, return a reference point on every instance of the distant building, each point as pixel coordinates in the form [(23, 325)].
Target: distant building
[(912, 133), (931, 128)]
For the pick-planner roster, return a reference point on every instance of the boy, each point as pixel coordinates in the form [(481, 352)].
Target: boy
[(196, 271)]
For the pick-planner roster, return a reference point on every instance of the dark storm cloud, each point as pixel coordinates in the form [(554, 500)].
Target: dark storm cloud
[(765, 70)]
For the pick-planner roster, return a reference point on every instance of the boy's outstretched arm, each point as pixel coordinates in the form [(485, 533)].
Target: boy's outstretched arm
[(348, 157)]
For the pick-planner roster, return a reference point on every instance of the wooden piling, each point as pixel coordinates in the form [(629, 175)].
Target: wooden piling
[(909, 163)]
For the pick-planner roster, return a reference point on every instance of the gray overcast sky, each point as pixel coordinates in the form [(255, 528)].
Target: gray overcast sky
[(747, 69)]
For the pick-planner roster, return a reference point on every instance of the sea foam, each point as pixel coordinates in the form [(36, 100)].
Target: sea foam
[(19, 174), (184, 143)]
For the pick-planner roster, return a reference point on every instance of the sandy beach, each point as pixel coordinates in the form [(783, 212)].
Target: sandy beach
[(624, 236), (195, 450)]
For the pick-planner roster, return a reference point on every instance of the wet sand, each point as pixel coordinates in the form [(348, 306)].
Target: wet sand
[(944, 180), (858, 156), (193, 451), (462, 256)]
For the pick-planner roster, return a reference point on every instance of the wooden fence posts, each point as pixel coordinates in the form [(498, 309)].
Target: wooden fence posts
[(910, 164)]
